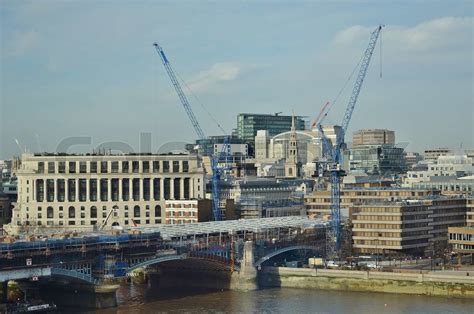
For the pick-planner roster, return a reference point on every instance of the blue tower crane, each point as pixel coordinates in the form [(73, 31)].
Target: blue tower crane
[(216, 159), (333, 153)]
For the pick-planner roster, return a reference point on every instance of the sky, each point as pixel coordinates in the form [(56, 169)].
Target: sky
[(88, 69)]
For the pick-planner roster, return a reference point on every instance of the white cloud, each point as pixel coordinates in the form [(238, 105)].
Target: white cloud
[(429, 38), (217, 73)]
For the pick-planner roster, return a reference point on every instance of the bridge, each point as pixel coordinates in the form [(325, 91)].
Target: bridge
[(97, 258)]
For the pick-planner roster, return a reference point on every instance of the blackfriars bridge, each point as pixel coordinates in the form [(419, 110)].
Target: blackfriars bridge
[(94, 260)]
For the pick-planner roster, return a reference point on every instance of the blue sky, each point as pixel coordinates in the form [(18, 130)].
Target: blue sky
[(88, 68)]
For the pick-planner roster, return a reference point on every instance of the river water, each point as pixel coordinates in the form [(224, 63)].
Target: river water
[(148, 299)]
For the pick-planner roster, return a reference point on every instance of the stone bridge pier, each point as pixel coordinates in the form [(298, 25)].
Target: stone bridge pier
[(245, 279)]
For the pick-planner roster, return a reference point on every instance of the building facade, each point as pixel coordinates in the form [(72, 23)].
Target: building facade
[(318, 203), (78, 192), (262, 197), (414, 227), (373, 137), (377, 159), (433, 154)]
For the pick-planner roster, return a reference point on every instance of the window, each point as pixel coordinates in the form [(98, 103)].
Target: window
[(49, 212), (72, 167), (157, 211), (156, 189), (146, 166), (71, 190), (185, 166), (40, 190), (93, 212), (125, 166), (136, 211), (50, 190), (93, 190), (166, 166), (93, 166), (82, 190), (125, 189), (115, 189), (103, 189), (103, 167), (51, 167), (146, 189), (60, 193), (135, 166), (72, 212), (61, 167), (40, 167), (115, 166), (136, 189), (175, 165), (156, 166), (82, 167)]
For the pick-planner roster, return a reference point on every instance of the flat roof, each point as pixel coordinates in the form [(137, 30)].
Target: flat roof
[(231, 226)]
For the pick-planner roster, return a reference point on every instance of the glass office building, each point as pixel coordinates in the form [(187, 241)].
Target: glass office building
[(377, 159)]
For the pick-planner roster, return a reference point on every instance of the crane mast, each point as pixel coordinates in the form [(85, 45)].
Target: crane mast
[(179, 91), (217, 170), (333, 153)]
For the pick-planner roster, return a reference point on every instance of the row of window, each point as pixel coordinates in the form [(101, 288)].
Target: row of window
[(136, 166), (93, 211), (50, 223), (100, 189)]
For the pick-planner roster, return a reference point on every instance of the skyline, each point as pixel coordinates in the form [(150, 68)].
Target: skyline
[(74, 62)]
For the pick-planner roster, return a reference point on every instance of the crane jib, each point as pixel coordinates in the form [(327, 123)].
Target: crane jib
[(164, 57)]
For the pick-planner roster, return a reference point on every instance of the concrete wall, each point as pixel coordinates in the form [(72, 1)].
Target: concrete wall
[(426, 284)]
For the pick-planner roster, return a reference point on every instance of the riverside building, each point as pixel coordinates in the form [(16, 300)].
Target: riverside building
[(415, 227), (80, 192)]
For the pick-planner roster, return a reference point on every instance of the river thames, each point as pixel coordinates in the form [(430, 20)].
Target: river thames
[(147, 299)]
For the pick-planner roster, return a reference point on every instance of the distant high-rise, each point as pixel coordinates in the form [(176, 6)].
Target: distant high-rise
[(373, 137), (248, 124)]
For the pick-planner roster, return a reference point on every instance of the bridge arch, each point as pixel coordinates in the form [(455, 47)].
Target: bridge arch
[(72, 274), (156, 260), (283, 250)]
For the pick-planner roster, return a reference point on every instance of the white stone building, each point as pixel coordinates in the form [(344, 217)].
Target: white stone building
[(445, 166), (79, 192)]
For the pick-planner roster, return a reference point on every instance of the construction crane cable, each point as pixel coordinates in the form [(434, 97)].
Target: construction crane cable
[(343, 88), (200, 102)]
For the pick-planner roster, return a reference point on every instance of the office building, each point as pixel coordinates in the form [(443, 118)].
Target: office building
[(444, 169), (433, 154), (383, 159), (414, 227), (78, 192), (318, 203), (373, 137), (412, 159)]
